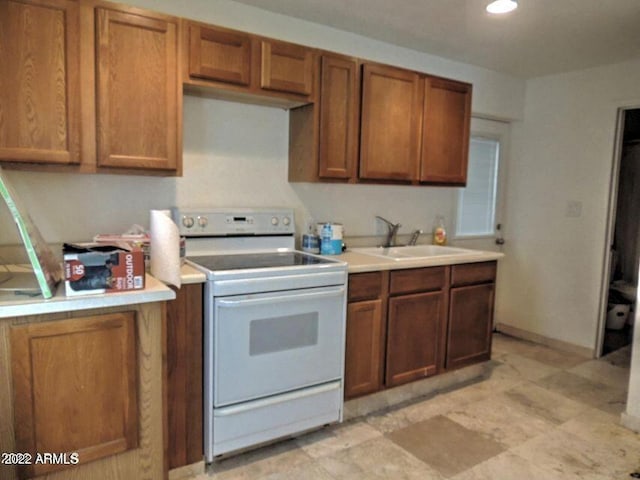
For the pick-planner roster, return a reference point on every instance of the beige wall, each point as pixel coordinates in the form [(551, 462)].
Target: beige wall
[(562, 152)]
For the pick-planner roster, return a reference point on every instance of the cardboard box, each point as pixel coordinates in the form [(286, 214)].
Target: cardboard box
[(93, 268)]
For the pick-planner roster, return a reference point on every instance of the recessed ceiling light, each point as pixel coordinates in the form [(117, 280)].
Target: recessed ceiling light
[(502, 6)]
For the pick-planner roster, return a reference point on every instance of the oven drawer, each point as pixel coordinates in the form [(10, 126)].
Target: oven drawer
[(250, 423), (271, 343)]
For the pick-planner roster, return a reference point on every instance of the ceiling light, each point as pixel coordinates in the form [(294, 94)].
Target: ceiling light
[(502, 6)]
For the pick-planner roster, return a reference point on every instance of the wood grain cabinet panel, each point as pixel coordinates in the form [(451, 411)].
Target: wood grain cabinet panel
[(287, 67), (364, 348), (415, 326), (184, 376), (219, 54), (445, 135), (138, 94), (75, 387), (339, 112), (39, 81), (470, 325), (390, 124)]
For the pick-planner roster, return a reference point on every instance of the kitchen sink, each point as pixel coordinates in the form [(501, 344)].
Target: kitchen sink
[(412, 252)]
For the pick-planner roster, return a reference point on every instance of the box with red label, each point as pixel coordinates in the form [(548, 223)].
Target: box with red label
[(93, 268)]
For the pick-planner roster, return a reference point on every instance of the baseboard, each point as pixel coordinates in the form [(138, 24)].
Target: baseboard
[(547, 341), (187, 472), (630, 421)]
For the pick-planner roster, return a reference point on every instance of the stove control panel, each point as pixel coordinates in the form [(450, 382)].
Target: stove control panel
[(234, 222)]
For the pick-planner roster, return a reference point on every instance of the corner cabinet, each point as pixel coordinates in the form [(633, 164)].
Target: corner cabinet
[(138, 94), (409, 324), (39, 81)]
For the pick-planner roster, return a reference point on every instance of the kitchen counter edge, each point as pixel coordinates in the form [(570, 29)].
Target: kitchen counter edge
[(12, 306), (360, 262)]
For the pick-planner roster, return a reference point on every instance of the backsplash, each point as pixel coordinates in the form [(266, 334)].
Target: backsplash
[(234, 155)]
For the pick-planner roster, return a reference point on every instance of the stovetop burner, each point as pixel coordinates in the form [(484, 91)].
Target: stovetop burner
[(245, 261)]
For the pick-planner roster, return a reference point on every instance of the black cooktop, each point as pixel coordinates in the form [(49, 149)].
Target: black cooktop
[(244, 261)]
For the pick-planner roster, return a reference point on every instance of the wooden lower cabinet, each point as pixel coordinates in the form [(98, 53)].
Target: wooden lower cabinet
[(75, 388), (184, 377), (88, 383), (415, 325), (470, 325), (365, 348), (409, 324)]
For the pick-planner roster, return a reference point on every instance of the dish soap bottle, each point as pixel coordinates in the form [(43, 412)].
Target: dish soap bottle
[(439, 231)]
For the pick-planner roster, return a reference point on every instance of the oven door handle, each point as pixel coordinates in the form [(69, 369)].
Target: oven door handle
[(243, 302)]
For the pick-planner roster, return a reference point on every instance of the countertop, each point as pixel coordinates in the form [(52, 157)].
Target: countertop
[(12, 305), (360, 262)]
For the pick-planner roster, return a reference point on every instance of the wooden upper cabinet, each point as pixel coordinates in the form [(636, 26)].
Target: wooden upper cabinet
[(287, 67), (339, 110), (219, 54), (445, 137), (138, 96), (75, 388), (390, 124), (39, 81)]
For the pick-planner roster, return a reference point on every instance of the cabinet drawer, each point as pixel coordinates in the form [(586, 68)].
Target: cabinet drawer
[(417, 280), (365, 286), (471, 273)]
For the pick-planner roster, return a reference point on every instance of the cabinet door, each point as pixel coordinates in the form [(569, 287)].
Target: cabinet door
[(445, 137), (415, 325), (470, 324), (39, 80), (339, 100), (390, 123), (218, 54), (287, 67), (184, 370), (138, 96), (364, 348), (75, 387)]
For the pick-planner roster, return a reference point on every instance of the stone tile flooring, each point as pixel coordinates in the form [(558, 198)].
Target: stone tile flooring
[(540, 414)]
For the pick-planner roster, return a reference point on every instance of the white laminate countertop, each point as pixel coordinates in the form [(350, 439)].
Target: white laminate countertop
[(360, 262), (12, 305)]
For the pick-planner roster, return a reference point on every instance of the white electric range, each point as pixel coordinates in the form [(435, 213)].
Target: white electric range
[(274, 327)]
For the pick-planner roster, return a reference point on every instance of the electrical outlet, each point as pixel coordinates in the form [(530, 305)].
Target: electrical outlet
[(574, 209)]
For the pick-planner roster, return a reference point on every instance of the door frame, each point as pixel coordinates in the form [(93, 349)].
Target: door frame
[(499, 130), (611, 222)]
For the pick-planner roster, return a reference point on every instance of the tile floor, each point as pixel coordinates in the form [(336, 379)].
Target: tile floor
[(540, 414)]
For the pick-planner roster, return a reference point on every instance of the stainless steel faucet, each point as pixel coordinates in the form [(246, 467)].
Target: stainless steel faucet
[(391, 232), (414, 237)]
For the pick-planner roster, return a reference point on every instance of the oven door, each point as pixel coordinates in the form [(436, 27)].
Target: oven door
[(264, 344)]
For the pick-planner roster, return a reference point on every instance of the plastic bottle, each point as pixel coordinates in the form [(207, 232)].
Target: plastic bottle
[(310, 241), (439, 231)]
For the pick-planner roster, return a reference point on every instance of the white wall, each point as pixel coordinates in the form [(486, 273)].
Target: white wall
[(237, 154), (561, 152), (631, 418)]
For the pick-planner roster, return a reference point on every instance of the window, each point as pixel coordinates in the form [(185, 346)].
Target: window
[(477, 201)]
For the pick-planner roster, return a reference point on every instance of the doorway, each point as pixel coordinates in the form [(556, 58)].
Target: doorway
[(624, 254)]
